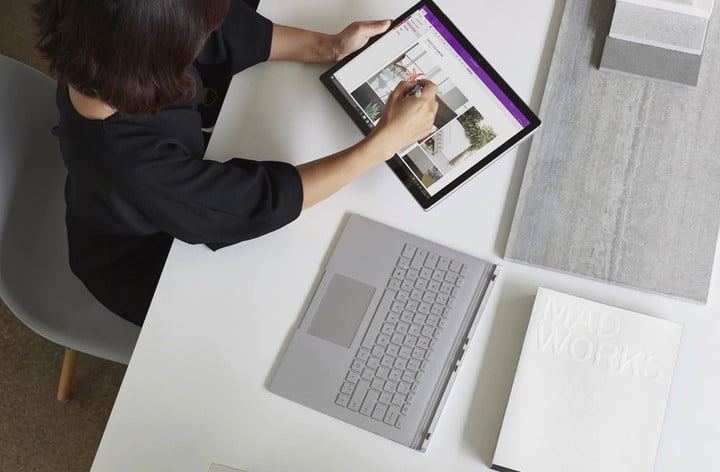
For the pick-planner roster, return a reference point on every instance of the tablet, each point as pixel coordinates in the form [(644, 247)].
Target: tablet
[(479, 116)]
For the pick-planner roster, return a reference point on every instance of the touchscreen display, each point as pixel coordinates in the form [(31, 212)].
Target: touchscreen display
[(475, 117)]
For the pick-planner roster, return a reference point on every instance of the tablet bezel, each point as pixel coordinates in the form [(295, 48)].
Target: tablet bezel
[(396, 163)]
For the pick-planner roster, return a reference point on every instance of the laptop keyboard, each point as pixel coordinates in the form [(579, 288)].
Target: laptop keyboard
[(390, 364)]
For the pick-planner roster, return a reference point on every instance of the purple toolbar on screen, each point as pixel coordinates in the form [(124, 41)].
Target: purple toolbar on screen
[(475, 67)]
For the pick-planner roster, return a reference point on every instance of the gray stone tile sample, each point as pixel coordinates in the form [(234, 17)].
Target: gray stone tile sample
[(651, 61), (623, 181), (658, 27)]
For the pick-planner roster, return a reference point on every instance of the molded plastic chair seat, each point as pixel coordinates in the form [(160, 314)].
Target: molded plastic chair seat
[(35, 278)]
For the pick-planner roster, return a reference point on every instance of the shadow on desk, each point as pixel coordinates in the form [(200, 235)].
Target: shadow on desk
[(497, 371)]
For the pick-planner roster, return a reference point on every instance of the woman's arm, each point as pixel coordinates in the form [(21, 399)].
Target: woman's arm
[(404, 120), (295, 44)]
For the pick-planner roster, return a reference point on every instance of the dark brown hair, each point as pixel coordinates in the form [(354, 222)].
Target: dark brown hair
[(131, 54)]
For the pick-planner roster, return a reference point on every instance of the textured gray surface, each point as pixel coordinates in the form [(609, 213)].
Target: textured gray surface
[(651, 61), (659, 27), (623, 181)]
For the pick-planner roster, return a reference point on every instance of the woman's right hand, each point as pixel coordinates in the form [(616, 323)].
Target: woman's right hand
[(407, 118)]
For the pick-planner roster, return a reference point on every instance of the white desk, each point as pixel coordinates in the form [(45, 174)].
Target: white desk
[(196, 389)]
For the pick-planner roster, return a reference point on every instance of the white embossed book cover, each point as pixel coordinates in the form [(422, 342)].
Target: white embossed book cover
[(590, 389)]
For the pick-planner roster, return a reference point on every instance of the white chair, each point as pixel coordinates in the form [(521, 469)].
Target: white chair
[(35, 278)]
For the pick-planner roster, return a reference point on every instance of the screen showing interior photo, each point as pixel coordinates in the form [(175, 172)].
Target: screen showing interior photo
[(474, 116)]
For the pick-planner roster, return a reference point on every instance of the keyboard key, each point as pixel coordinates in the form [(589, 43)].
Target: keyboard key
[(418, 353), (368, 404), (377, 384), (451, 277), (342, 400), (392, 317), (443, 263), (426, 273), (382, 372), (403, 263), (368, 373), (405, 352), (398, 399), (418, 259), (397, 307), (442, 298), (347, 388), (390, 386), (387, 361), (352, 377), (382, 340), (387, 329), (437, 309), (442, 323), (400, 363), (385, 398), (463, 270), (432, 320), (434, 286), (394, 284), (407, 285), (393, 349), (404, 410), (413, 365), (379, 412), (410, 398), (402, 296), (378, 351), (404, 388), (412, 275), (395, 375), (416, 295), (408, 376), (412, 305), (414, 330), (460, 281), (424, 308), (420, 376), (433, 343), (431, 260), (357, 365), (409, 251), (363, 354), (423, 342), (410, 341), (358, 396), (400, 422), (438, 275), (428, 297), (455, 292), (392, 415), (373, 362), (428, 331), (420, 319), (421, 284), (455, 266), (398, 273), (402, 328)]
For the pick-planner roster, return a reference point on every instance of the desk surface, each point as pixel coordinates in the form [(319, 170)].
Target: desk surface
[(196, 389)]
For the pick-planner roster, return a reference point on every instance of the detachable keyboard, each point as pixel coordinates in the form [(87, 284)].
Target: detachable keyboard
[(390, 364)]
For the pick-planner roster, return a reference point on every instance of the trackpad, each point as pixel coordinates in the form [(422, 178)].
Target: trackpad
[(341, 310)]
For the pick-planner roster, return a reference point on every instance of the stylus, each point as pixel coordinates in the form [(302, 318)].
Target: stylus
[(417, 90)]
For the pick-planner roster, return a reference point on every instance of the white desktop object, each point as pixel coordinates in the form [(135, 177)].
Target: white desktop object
[(590, 389)]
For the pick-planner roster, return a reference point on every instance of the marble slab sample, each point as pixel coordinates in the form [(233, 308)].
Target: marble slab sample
[(659, 27), (623, 181), (650, 61)]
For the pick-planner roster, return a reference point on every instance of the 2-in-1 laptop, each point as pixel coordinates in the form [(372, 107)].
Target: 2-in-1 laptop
[(385, 331), (479, 116)]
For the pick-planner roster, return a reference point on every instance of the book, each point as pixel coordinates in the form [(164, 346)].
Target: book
[(590, 389)]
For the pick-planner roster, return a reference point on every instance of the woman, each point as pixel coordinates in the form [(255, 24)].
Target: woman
[(138, 80)]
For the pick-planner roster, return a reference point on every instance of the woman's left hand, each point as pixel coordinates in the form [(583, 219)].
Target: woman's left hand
[(355, 36)]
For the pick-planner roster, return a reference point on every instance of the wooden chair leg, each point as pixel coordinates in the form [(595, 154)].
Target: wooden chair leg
[(66, 375)]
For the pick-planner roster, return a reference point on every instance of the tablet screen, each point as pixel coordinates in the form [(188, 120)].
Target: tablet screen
[(478, 116)]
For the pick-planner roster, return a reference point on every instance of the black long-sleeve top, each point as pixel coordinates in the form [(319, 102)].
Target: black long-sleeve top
[(135, 183)]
